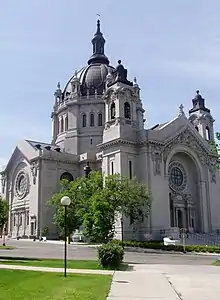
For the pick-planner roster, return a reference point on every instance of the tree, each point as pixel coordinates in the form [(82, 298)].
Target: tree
[(215, 147), (96, 200), (3, 213)]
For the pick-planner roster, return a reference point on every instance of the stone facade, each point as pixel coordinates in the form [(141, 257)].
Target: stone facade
[(99, 117)]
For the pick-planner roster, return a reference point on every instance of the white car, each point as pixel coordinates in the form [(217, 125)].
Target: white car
[(170, 241)]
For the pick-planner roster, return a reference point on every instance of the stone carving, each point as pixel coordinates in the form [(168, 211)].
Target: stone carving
[(157, 159), (34, 171), (212, 170), (3, 182), (187, 139), (181, 111), (120, 75)]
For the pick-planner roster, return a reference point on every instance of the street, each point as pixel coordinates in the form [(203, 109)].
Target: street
[(27, 248)]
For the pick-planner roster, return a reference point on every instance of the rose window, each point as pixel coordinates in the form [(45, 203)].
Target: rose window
[(177, 176), (21, 185)]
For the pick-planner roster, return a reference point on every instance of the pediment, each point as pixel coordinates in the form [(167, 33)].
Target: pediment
[(22, 151), (190, 138)]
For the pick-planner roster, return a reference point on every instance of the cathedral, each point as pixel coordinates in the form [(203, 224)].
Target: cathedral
[(98, 123)]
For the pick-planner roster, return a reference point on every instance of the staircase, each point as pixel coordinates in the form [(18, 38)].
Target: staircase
[(210, 239)]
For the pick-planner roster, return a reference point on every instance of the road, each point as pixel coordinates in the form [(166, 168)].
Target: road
[(84, 252)]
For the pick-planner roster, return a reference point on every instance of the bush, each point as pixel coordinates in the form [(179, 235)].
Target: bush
[(110, 255), (160, 246)]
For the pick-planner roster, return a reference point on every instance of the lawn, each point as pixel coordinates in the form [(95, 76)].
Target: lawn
[(7, 247), (54, 263), (30, 285), (217, 263)]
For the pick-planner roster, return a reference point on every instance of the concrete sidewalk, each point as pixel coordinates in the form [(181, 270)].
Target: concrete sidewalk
[(58, 270), (166, 282)]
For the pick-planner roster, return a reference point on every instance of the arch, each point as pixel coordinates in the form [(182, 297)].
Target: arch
[(192, 155), (66, 123), (185, 189), (100, 119), (112, 110), (67, 176), (84, 120), (207, 133), (92, 120), (61, 125), (127, 110)]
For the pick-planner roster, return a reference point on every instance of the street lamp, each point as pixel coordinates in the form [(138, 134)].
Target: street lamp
[(65, 201)]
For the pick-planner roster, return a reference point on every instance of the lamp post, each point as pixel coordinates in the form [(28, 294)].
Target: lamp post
[(65, 201), (87, 169)]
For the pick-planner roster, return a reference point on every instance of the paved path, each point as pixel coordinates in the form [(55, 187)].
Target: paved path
[(58, 270), (166, 282), (26, 248)]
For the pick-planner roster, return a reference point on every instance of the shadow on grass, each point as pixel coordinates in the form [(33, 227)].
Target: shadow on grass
[(20, 258)]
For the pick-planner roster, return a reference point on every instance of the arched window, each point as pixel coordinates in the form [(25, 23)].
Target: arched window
[(197, 128), (67, 176), (91, 119), (127, 110), (207, 132), (84, 120), (61, 125), (100, 119), (66, 123), (112, 111)]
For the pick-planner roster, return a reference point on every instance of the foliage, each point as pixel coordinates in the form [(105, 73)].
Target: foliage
[(96, 200), (3, 212), (110, 255), (160, 246), (45, 230)]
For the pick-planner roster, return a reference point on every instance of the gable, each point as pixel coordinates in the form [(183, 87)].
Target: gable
[(22, 151)]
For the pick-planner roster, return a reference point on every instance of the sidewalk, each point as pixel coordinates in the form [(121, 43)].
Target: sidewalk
[(139, 286), (58, 270)]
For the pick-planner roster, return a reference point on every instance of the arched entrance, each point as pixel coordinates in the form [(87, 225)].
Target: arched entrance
[(184, 196)]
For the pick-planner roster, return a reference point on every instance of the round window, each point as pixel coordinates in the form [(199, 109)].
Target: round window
[(177, 176), (21, 185)]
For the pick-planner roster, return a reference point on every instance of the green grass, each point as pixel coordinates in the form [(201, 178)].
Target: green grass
[(55, 263), (30, 285), (217, 263), (7, 247)]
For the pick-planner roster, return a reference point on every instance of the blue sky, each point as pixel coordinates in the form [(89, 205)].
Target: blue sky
[(172, 47)]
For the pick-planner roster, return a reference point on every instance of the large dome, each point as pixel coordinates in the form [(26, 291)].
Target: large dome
[(92, 78)]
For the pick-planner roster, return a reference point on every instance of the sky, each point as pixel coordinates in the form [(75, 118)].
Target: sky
[(172, 47)]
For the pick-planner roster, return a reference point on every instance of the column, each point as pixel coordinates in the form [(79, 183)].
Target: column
[(203, 207)]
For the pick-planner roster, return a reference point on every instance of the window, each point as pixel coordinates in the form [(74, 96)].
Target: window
[(127, 111), (112, 168), (84, 120), (21, 219), (66, 123), (176, 176), (14, 220), (90, 141), (100, 119), (67, 176), (197, 128), (207, 131), (130, 169), (61, 125), (27, 216), (91, 119), (113, 111)]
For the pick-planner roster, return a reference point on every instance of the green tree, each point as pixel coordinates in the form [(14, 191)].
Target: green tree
[(96, 200), (215, 147), (3, 213)]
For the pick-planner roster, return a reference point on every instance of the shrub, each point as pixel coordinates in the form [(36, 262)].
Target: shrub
[(110, 255), (160, 246)]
